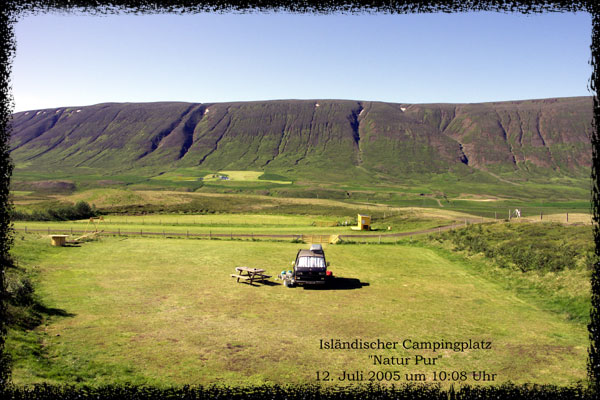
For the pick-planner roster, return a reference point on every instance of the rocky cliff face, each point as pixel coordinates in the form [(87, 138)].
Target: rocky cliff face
[(535, 136)]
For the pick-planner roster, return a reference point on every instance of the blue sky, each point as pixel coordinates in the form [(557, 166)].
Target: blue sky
[(77, 59)]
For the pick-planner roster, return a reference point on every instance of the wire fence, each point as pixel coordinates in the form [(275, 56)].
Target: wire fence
[(513, 215), (313, 238)]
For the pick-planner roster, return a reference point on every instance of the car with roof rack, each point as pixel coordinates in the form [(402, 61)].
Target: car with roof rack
[(310, 268)]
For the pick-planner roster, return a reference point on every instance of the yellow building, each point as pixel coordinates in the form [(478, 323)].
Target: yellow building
[(364, 223)]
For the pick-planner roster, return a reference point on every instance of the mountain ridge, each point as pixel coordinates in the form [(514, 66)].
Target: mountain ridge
[(312, 138)]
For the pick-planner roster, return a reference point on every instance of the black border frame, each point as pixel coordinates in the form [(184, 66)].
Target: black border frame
[(11, 10)]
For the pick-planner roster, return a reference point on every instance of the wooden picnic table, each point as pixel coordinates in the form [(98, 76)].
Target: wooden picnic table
[(250, 275)]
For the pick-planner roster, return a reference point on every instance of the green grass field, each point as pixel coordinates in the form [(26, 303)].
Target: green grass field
[(193, 175), (165, 311), (182, 190), (244, 224)]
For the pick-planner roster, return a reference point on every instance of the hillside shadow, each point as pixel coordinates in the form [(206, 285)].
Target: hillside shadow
[(31, 317), (339, 283), (50, 311)]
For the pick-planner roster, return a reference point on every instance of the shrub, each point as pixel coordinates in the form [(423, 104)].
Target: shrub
[(526, 246), (19, 290), (80, 210)]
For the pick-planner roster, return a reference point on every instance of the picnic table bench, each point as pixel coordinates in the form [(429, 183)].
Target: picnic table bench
[(250, 275)]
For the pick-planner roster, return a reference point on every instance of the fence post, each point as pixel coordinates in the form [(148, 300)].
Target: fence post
[(49, 228), (541, 213), (567, 217), (495, 215), (141, 233), (379, 239), (71, 231), (119, 231), (163, 233), (187, 233), (25, 229)]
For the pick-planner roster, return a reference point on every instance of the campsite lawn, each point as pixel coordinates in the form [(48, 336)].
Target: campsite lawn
[(165, 311)]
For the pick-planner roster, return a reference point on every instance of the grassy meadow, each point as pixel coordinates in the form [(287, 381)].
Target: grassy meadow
[(198, 191), (165, 311), (241, 225)]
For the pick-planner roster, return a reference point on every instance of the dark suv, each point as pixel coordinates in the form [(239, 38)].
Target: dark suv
[(310, 268)]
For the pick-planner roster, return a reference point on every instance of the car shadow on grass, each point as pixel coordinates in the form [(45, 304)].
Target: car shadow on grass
[(266, 282), (339, 283)]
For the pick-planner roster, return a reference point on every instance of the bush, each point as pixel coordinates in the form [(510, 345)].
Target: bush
[(80, 210), (19, 290), (527, 247)]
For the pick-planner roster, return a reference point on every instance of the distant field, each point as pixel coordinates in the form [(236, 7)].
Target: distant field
[(246, 224), (192, 175), (165, 311), (189, 189), (119, 200), (250, 176), (174, 176), (20, 192), (570, 218)]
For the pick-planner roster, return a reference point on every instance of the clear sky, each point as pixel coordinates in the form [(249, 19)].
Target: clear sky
[(78, 59)]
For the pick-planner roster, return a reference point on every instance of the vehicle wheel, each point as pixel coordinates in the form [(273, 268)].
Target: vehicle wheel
[(287, 283)]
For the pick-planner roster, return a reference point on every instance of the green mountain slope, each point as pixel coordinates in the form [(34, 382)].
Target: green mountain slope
[(321, 140)]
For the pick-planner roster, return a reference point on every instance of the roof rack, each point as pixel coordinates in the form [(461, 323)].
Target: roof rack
[(316, 248)]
